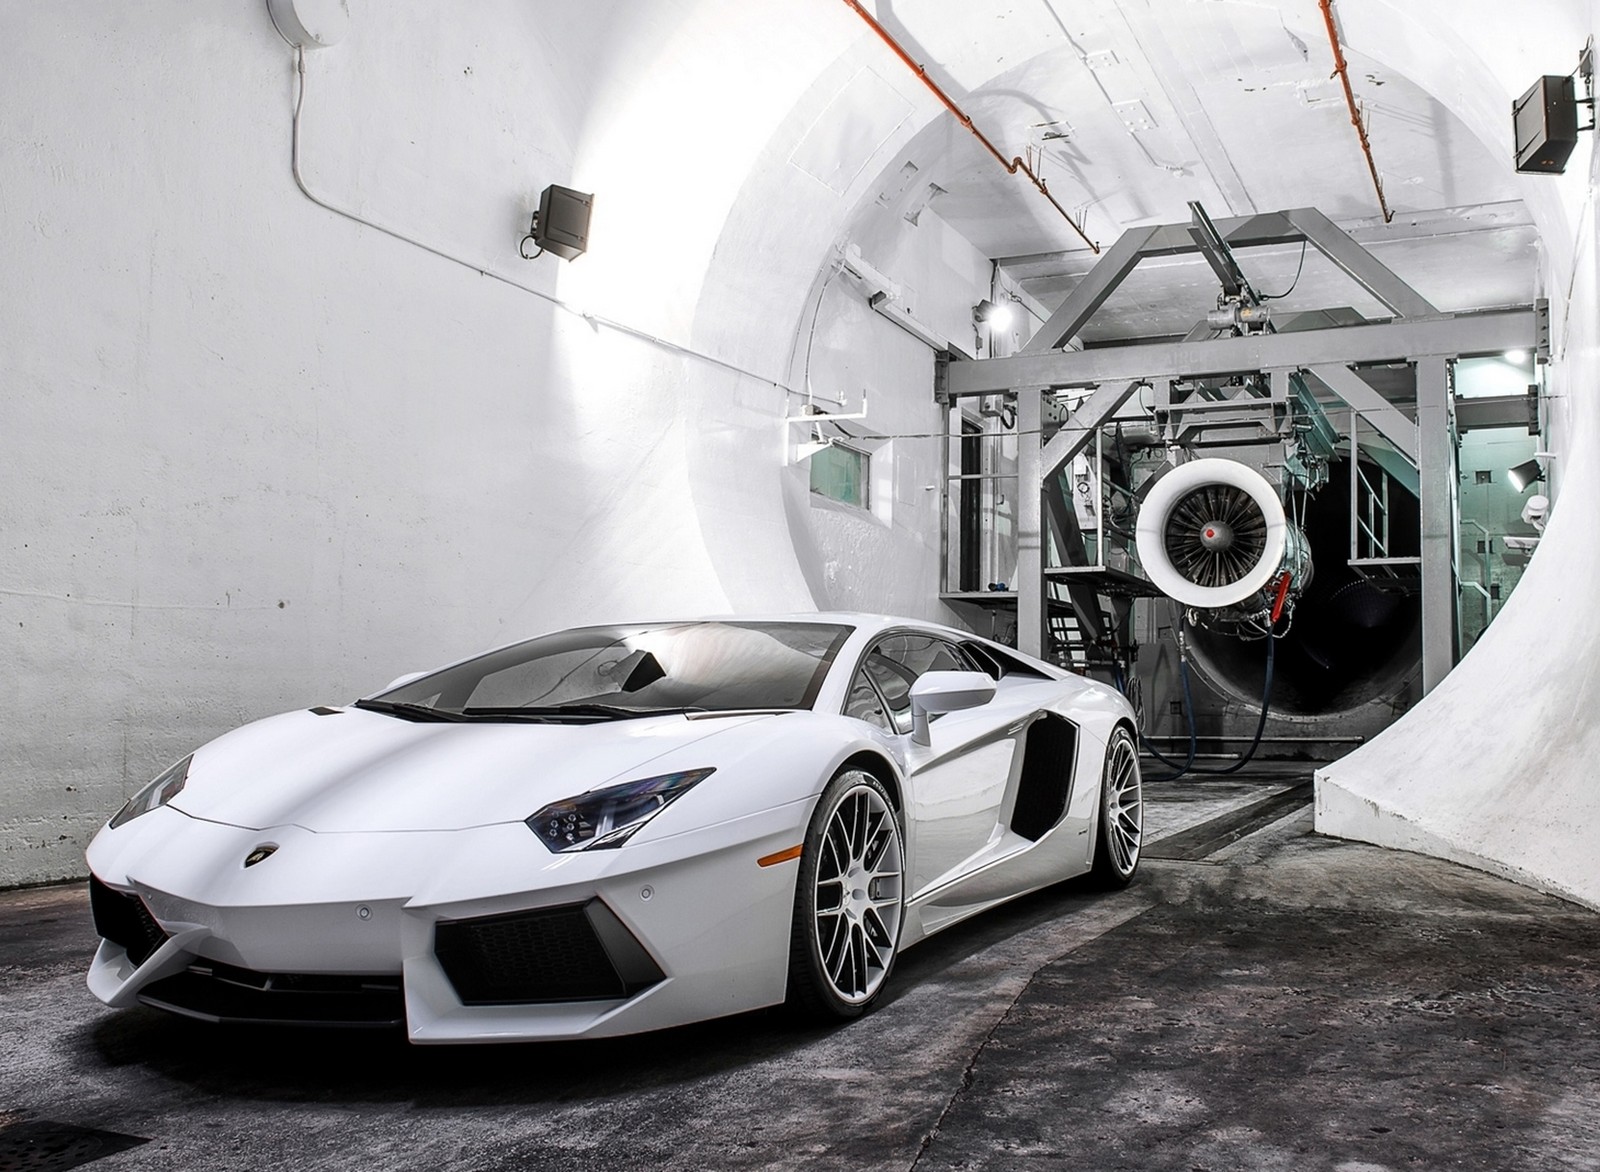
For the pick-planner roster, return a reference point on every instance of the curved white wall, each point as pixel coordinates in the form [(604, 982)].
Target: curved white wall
[(1496, 768)]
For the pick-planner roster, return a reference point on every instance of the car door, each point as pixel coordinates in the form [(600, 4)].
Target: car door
[(958, 780)]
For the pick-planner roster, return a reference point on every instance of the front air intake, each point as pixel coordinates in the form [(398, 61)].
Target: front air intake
[(579, 952), (122, 918)]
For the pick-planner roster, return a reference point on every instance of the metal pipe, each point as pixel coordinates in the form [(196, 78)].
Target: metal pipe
[(1012, 166), (1342, 71)]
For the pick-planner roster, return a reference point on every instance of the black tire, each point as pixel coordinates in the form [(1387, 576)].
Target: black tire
[(849, 900), (1120, 832)]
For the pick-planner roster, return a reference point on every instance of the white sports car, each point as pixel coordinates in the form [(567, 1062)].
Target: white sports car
[(614, 829)]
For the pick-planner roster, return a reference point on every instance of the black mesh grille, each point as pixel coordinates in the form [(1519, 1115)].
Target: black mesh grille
[(549, 954), (219, 992), (1047, 761), (123, 919)]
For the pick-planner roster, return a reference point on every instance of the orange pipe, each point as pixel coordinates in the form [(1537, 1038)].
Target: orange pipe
[(1283, 595), (1342, 71), (1012, 166)]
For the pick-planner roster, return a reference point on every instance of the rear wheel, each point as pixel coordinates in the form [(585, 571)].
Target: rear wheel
[(1116, 847), (849, 901)]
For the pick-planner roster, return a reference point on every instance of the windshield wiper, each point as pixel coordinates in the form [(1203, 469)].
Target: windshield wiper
[(580, 712), (418, 712)]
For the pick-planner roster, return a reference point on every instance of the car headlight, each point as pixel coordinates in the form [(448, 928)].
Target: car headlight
[(158, 793), (609, 817)]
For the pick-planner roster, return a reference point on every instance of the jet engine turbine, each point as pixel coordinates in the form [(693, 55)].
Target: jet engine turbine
[(1212, 534)]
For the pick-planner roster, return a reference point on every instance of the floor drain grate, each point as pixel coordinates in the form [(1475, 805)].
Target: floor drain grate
[(41, 1146)]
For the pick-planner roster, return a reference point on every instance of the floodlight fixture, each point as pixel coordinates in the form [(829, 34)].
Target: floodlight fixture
[(561, 225), (997, 315), (1544, 121), (1527, 473)]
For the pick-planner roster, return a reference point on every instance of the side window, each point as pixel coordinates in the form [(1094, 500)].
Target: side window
[(896, 662), (983, 661), (864, 704)]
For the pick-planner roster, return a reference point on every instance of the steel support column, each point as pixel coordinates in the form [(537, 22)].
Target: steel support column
[(1437, 468), (1030, 530)]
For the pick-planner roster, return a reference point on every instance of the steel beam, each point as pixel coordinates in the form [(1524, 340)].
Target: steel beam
[(1378, 411), (1082, 426), (1359, 264), (1030, 536), (1396, 341), (1499, 411), (1090, 293), (1437, 467)]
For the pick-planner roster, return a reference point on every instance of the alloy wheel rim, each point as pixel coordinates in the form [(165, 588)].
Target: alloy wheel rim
[(1124, 806), (859, 889)]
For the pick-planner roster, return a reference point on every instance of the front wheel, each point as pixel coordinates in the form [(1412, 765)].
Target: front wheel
[(849, 901), (1116, 846)]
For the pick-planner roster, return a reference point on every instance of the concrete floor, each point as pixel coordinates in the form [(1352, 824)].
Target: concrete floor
[(1262, 999)]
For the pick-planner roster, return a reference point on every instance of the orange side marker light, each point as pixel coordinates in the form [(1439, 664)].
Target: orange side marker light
[(793, 852)]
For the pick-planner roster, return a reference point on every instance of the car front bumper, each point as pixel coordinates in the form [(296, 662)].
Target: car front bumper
[(537, 945)]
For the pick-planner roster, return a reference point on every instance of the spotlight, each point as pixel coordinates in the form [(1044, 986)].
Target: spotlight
[(1516, 357), (561, 225), (1524, 474), (996, 315)]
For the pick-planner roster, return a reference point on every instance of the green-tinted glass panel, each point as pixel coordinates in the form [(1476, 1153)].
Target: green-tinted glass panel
[(840, 473)]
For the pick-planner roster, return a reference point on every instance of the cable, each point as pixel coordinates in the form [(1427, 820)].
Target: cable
[(1188, 765), (593, 319), (1300, 268)]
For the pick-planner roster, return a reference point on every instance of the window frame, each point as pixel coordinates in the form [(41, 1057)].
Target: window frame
[(859, 670)]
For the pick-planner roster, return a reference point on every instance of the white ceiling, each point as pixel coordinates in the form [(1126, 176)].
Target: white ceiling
[(1134, 107)]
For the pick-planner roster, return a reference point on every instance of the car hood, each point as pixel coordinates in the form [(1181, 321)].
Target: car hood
[(353, 770)]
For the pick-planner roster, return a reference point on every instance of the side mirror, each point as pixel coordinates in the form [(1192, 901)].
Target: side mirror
[(405, 679), (946, 691)]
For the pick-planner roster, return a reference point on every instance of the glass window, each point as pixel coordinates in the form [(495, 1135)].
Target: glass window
[(896, 662), (842, 473), (864, 704), (716, 666)]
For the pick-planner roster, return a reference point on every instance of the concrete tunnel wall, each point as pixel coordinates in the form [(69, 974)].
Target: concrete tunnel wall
[(222, 397), (1495, 768)]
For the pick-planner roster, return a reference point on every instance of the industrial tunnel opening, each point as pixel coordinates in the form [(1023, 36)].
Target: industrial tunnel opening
[(1353, 640)]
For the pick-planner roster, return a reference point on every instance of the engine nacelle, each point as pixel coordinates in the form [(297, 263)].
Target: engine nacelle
[(1212, 534)]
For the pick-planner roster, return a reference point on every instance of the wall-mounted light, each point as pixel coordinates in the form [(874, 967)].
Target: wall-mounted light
[(1516, 357), (1536, 511), (310, 24), (1544, 121), (1524, 474), (561, 225), (997, 315)]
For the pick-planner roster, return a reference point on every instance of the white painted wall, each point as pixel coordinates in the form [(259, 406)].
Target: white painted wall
[(257, 456), (1495, 768)]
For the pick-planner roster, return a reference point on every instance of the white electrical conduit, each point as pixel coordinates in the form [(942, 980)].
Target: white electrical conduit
[(594, 319)]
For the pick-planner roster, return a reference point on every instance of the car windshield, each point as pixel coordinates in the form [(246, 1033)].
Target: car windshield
[(599, 673)]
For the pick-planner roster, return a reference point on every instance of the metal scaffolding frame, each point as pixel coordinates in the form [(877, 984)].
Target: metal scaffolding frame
[(1419, 335)]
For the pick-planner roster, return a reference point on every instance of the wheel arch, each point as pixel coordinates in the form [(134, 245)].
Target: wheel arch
[(883, 769)]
